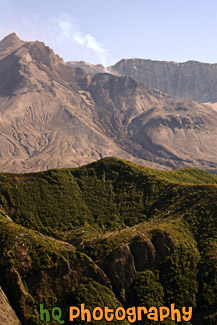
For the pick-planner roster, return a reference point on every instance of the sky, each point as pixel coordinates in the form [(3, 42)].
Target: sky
[(106, 31)]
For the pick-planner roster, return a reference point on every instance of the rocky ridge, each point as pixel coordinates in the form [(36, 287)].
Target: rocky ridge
[(191, 80), (54, 114)]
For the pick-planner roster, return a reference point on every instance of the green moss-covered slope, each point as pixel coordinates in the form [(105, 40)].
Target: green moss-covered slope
[(80, 222)]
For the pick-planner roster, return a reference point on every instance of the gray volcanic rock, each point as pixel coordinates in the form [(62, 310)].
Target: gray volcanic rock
[(191, 79), (46, 119), (53, 115)]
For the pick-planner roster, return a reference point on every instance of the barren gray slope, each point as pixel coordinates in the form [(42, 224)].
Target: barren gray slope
[(47, 119), (53, 115)]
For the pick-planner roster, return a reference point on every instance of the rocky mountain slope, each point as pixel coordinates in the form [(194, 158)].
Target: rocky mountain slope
[(7, 314), (110, 233), (191, 79), (55, 115), (88, 67)]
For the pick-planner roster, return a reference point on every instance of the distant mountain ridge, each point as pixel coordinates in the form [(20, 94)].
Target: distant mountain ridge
[(54, 114), (88, 67), (189, 80)]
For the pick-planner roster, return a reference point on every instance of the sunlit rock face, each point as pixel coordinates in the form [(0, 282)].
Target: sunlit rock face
[(54, 114)]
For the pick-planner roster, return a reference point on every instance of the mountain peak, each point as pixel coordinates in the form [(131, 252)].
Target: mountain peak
[(9, 44), (10, 40)]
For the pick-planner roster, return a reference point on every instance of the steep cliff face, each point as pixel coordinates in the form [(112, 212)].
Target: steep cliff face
[(143, 252), (192, 80), (123, 263), (119, 267), (7, 314)]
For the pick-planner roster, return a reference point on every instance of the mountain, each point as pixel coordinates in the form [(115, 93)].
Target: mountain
[(190, 80), (9, 44), (54, 115), (90, 68), (111, 233)]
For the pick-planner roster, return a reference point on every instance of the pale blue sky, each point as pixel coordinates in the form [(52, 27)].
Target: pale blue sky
[(105, 31)]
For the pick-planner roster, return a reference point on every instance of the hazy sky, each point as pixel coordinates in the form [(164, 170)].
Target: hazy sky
[(105, 31)]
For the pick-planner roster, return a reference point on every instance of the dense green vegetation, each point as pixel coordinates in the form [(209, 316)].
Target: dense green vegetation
[(109, 194), (37, 262), (52, 223), (146, 290)]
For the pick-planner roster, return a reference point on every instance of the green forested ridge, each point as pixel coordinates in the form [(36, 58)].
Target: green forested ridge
[(67, 217)]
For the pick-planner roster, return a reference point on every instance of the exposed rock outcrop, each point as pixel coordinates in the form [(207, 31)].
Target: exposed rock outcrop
[(123, 263), (16, 293), (9, 44), (119, 267), (191, 79), (164, 245), (148, 253), (143, 252), (56, 281), (7, 314), (88, 269)]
